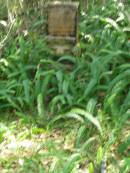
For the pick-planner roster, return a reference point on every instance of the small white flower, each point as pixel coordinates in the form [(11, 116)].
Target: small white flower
[(21, 162)]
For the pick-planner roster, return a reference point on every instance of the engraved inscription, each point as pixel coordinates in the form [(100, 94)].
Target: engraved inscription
[(61, 21)]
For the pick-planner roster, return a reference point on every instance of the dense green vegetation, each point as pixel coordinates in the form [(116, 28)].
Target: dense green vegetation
[(68, 113)]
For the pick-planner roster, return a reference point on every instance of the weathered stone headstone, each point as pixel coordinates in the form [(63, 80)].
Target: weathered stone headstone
[(62, 25)]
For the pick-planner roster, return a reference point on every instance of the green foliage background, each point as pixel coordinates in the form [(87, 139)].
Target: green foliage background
[(91, 86)]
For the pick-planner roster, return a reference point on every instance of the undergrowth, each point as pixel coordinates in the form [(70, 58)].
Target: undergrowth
[(90, 87)]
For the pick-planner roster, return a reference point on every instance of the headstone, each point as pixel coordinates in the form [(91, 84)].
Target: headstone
[(62, 25)]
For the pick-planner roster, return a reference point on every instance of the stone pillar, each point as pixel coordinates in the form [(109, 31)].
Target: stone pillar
[(62, 22)]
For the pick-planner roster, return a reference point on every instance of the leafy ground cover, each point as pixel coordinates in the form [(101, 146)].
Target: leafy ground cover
[(68, 113), (26, 147)]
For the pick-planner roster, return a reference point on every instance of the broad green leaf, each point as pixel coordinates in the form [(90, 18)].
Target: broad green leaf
[(89, 117), (71, 163), (91, 168), (99, 155)]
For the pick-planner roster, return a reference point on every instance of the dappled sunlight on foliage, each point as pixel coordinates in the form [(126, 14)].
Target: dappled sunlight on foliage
[(66, 113)]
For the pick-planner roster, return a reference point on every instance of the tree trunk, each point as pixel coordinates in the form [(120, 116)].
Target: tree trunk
[(84, 4)]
